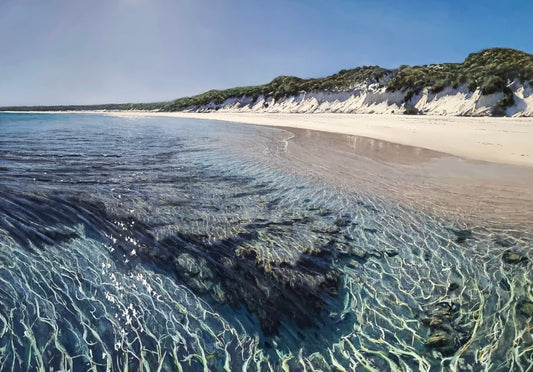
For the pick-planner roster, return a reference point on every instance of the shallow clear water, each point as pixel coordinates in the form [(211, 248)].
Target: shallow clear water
[(173, 244)]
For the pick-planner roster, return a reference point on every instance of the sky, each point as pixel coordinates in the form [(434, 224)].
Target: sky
[(117, 51)]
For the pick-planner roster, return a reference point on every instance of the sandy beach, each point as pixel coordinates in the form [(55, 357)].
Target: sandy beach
[(499, 140)]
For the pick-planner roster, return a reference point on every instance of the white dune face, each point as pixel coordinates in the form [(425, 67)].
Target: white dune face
[(523, 100), (372, 98)]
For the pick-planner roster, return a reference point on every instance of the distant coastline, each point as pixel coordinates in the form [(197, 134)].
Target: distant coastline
[(492, 82)]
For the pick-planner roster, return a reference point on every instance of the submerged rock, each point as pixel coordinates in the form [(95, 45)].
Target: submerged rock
[(453, 286), (433, 321), (343, 221), (447, 334), (242, 272), (195, 272), (504, 242), (512, 257), (444, 309), (440, 339), (188, 264), (462, 235), (526, 308)]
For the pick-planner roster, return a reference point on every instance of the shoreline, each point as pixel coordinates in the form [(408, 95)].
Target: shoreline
[(490, 139), (499, 140), (484, 187), (426, 167)]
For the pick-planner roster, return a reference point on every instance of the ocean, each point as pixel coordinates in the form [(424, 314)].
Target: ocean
[(160, 244)]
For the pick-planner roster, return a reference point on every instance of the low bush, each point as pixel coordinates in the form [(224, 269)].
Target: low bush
[(492, 84), (500, 107), (489, 70), (411, 111)]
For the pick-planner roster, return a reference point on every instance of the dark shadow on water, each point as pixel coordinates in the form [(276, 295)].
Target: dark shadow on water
[(290, 300)]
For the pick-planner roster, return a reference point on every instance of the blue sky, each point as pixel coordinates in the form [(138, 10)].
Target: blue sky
[(102, 51)]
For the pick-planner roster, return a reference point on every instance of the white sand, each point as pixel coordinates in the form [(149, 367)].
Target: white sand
[(500, 140)]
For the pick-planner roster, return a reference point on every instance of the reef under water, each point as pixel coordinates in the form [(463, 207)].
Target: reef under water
[(172, 244)]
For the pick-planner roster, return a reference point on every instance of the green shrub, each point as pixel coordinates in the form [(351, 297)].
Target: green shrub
[(439, 85), (492, 84), (501, 106), (411, 111), (471, 85), (408, 95), (498, 110)]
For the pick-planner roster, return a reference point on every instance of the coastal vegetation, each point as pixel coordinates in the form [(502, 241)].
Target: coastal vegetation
[(284, 86), (490, 71)]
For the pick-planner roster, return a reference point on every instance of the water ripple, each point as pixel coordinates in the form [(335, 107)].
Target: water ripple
[(142, 245)]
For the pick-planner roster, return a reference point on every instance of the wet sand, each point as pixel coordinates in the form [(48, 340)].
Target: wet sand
[(433, 181)]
